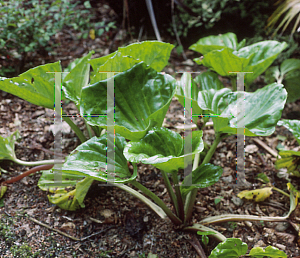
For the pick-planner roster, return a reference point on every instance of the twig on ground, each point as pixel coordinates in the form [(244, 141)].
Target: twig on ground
[(54, 229), (67, 235), (266, 147)]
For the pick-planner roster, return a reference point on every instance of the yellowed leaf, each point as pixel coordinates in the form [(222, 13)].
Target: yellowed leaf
[(92, 34), (258, 195), (3, 189)]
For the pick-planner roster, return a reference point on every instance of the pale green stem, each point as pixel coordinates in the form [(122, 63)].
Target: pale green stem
[(190, 202), (37, 163), (238, 217), (191, 194), (88, 129), (178, 195), (280, 191), (159, 202), (75, 128), (212, 149), (144, 199), (170, 191)]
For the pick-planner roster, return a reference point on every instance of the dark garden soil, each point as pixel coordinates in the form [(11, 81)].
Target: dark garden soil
[(113, 223)]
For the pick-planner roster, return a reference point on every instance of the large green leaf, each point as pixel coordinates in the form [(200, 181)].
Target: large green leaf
[(36, 85), (90, 159), (203, 176), (209, 99), (255, 58), (209, 80), (224, 61), (261, 55), (77, 78), (230, 248), (142, 98), (210, 43), (154, 53), (263, 109), (70, 193), (116, 63), (163, 149)]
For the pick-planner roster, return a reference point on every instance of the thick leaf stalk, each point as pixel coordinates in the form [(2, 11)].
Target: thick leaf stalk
[(192, 195), (159, 202)]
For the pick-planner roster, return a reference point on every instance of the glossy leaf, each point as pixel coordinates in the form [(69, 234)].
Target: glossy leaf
[(210, 43), (70, 193), (203, 176), (258, 195), (269, 251), (154, 53), (36, 85), (224, 61), (230, 248), (90, 159), (116, 63), (77, 78), (255, 58), (263, 109), (209, 80), (142, 98), (163, 149), (261, 55)]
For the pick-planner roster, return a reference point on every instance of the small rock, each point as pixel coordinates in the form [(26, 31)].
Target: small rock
[(282, 226), (237, 201), (250, 239), (227, 179), (222, 155), (280, 246), (252, 148), (188, 62), (260, 243), (146, 219)]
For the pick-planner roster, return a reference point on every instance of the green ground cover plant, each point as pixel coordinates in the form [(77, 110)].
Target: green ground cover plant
[(142, 95), (27, 26)]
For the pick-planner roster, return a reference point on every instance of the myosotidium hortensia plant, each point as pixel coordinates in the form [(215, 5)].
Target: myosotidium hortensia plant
[(142, 96)]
